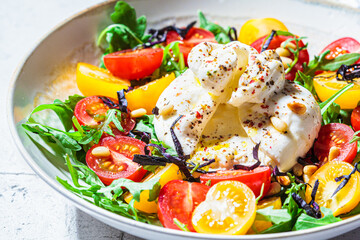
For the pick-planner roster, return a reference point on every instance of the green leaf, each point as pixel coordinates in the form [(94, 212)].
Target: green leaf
[(276, 216), (124, 14), (307, 82), (173, 60), (346, 59), (221, 35), (331, 115), (305, 221), (181, 225), (326, 104), (145, 124)]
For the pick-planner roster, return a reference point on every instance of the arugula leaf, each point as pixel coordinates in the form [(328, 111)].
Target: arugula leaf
[(145, 124), (173, 60), (181, 225), (280, 218), (221, 35), (331, 115), (326, 104), (356, 137), (307, 82), (305, 221), (112, 116)]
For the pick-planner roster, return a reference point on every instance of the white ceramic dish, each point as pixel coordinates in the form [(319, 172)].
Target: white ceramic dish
[(321, 23)]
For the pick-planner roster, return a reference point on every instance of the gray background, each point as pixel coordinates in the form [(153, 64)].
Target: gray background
[(29, 208)]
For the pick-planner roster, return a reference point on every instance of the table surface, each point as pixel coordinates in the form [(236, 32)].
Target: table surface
[(29, 208)]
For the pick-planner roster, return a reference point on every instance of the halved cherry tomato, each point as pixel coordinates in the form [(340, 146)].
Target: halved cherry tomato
[(254, 179), (91, 111), (355, 119), (335, 135), (326, 85), (147, 95), (92, 80), (342, 46), (118, 162), (256, 28), (192, 38), (178, 199), (229, 208), (346, 199), (275, 43), (134, 64)]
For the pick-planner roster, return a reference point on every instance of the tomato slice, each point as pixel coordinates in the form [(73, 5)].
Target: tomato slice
[(193, 37), (346, 199), (275, 43), (355, 119), (134, 64), (342, 46), (118, 162), (254, 179), (178, 199), (91, 111), (229, 208), (335, 135)]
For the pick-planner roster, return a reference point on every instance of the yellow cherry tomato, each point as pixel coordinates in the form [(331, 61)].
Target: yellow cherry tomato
[(346, 199), (259, 27), (229, 208), (260, 225), (92, 80), (146, 96), (327, 85), (166, 174)]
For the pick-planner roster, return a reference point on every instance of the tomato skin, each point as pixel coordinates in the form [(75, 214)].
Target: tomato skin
[(275, 43), (355, 119), (254, 179), (193, 37), (342, 46), (178, 199), (81, 112), (134, 64), (118, 157), (335, 134)]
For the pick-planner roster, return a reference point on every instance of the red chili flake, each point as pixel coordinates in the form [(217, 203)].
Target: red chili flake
[(260, 125), (198, 115), (252, 81), (264, 106), (253, 92), (262, 78), (240, 69), (209, 61)]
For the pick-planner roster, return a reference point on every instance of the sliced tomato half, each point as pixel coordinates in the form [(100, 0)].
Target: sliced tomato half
[(254, 179), (342, 46), (355, 119), (116, 160), (335, 137)]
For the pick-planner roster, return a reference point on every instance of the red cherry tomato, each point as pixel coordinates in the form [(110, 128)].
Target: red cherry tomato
[(118, 164), (90, 111), (275, 43), (192, 38), (355, 119), (134, 64), (335, 135), (254, 179), (178, 199), (342, 46)]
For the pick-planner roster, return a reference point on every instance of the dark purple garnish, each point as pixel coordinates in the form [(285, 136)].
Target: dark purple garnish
[(143, 136), (150, 160), (345, 179), (276, 172), (313, 194), (177, 144), (348, 73), (308, 209), (108, 102), (232, 34), (268, 41), (255, 156), (155, 111), (122, 101), (198, 169)]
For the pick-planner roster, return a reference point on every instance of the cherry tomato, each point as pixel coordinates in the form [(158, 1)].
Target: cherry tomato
[(178, 199), (134, 64), (355, 119), (335, 137), (275, 43), (342, 46), (257, 28), (92, 80), (254, 179), (115, 159), (91, 111), (326, 85), (346, 199), (229, 208), (192, 38)]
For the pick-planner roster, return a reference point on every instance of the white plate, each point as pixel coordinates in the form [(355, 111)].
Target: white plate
[(73, 41)]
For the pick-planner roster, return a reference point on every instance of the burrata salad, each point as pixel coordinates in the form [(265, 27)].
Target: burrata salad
[(211, 129)]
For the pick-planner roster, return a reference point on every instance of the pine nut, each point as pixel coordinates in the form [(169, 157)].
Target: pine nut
[(282, 52), (278, 124), (100, 152), (334, 153), (288, 45), (298, 170), (297, 107), (309, 170), (275, 188), (283, 180), (138, 113), (166, 110), (286, 61)]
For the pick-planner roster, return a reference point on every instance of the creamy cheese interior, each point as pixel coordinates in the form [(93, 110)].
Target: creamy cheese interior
[(228, 99)]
